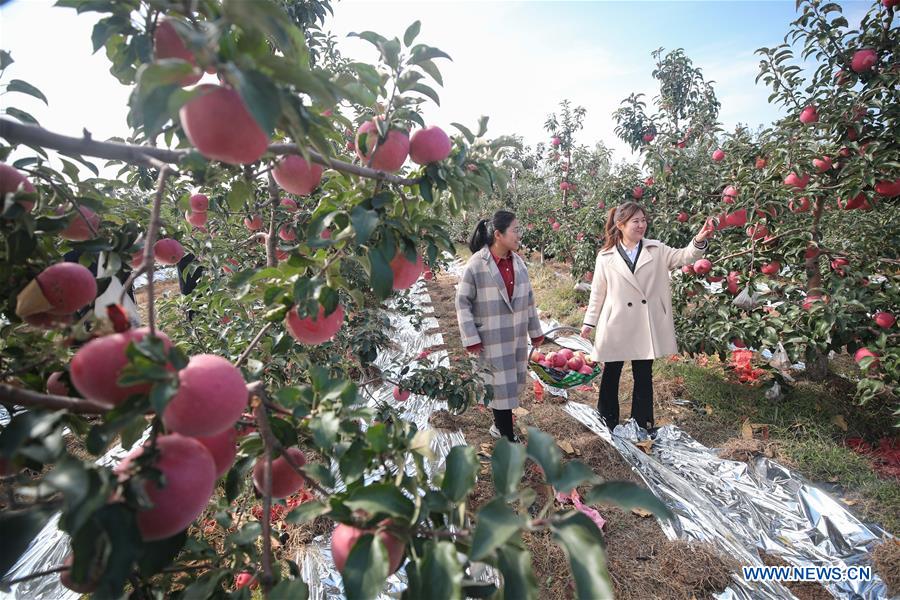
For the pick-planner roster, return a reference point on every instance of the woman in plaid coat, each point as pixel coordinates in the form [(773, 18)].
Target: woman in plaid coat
[(496, 313)]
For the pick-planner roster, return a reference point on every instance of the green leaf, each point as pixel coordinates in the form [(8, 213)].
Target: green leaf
[(240, 192), (21, 115), (364, 223), (507, 465), (325, 430), (496, 524), (381, 499), (432, 69), (422, 52), (381, 277), (270, 19), (461, 472), (159, 554), (543, 449), (628, 495), (248, 534), (17, 85), (161, 393), (295, 589), (366, 568), (411, 32), (261, 97), (205, 586), (442, 571), (6, 59), (583, 544), (237, 477), (427, 91), (470, 137), (573, 474), (518, 577), (307, 512)]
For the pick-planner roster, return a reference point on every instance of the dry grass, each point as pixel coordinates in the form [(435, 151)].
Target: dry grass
[(803, 590), (886, 560)]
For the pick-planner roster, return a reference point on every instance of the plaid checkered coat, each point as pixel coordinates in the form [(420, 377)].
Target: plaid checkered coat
[(487, 316), (632, 312)]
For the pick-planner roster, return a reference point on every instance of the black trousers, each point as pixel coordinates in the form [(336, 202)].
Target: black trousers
[(504, 422), (641, 397)]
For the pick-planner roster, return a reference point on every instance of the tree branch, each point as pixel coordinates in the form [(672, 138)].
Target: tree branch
[(252, 344), (271, 259), (23, 397), (262, 421), (15, 132)]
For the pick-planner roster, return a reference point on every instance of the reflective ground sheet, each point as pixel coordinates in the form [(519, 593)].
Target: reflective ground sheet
[(744, 508)]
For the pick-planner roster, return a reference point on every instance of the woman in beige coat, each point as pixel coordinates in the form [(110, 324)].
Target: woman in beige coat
[(630, 310)]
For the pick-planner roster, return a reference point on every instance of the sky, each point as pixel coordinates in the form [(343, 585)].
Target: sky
[(513, 61)]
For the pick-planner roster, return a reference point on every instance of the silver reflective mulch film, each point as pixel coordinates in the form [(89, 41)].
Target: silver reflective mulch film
[(741, 508)]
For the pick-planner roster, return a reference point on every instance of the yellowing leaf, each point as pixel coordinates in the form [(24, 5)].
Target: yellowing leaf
[(566, 446), (840, 422), (645, 446), (642, 513), (520, 411), (709, 409), (746, 430)]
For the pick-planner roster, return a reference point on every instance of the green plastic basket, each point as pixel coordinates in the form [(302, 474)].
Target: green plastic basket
[(562, 379)]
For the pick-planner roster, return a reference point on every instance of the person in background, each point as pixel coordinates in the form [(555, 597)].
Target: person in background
[(630, 309), (496, 313)]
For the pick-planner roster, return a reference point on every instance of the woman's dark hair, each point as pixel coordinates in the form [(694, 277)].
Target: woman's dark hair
[(619, 214), (484, 231)]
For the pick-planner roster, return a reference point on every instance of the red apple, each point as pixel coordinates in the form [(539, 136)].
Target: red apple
[(219, 125), (96, 367), (314, 330), (168, 44), (344, 537), (809, 115), (885, 320), (429, 145), (197, 219), (405, 272), (190, 476), (211, 396), (559, 360), (389, 155), (400, 395), (58, 387), (297, 176), (11, 181), (771, 268), (757, 232), (889, 189), (865, 352), (83, 225), (168, 251), (796, 181), (822, 164), (253, 223), (287, 233), (554, 141), (637, 193), (761, 163), (222, 447), (285, 480), (556, 226), (682, 217), (575, 363), (648, 137), (732, 283), (718, 155), (801, 206), (863, 60), (536, 356), (67, 286), (687, 269), (199, 203), (702, 266)]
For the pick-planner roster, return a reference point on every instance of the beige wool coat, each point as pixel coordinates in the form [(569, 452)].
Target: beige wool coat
[(488, 316), (632, 312)]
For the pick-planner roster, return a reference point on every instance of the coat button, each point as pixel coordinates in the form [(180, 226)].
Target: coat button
[(643, 302), (629, 304)]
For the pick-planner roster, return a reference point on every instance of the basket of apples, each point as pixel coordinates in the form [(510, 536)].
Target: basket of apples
[(563, 368)]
